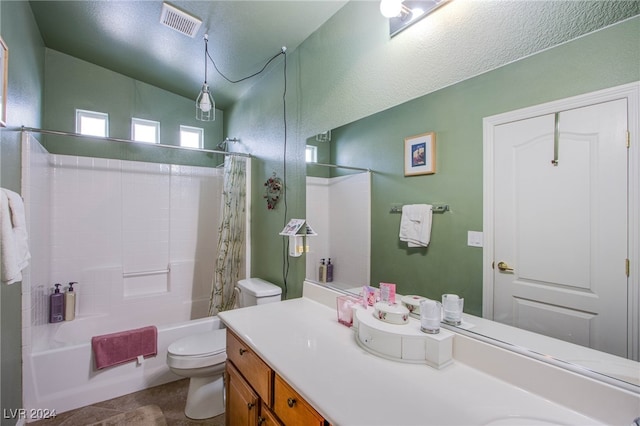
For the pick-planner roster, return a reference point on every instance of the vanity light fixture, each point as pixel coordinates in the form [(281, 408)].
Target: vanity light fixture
[(404, 13), (390, 8), (205, 105), (324, 136)]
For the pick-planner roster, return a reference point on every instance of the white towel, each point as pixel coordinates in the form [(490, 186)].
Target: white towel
[(14, 248), (415, 224)]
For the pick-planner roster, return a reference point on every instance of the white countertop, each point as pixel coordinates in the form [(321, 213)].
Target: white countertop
[(303, 342)]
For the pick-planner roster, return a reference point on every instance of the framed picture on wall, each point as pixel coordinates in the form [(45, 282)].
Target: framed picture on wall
[(420, 154), (4, 69)]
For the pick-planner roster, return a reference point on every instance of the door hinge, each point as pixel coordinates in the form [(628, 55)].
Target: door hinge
[(627, 266), (628, 139)]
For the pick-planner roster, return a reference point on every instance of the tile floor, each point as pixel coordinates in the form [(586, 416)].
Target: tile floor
[(170, 398)]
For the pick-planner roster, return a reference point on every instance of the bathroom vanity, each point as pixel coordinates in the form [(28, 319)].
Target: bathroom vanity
[(295, 355), (255, 394)]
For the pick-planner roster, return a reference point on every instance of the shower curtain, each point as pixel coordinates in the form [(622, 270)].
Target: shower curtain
[(231, 235)]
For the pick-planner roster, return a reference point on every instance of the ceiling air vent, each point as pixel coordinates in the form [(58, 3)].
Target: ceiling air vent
[(180, 21)]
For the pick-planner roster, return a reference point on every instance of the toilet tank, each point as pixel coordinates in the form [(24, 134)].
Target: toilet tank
[(256, 291)]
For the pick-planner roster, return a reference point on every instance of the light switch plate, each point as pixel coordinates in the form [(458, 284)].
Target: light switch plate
[(474, 238)]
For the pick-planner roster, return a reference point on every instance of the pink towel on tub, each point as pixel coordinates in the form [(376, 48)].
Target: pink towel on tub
[(117, 348)]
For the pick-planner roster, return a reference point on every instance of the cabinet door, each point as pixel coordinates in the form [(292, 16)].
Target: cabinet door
[(242, 402), (267, 418), (291, 408)]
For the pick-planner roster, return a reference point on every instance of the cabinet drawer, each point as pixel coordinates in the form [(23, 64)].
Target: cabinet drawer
[(254, 369), (291, 408)]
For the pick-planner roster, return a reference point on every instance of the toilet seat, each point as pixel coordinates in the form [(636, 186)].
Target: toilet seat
[(198, 350)]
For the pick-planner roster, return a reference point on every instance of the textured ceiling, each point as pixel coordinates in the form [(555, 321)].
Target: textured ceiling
[(127, 37)]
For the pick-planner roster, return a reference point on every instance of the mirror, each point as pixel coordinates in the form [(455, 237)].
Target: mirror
[(455, 114)]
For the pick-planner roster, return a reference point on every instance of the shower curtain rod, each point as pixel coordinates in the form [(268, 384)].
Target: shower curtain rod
[(106, 138), (337, 166)]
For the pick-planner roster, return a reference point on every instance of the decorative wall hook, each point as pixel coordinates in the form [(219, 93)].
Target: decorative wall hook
[(273, 188)]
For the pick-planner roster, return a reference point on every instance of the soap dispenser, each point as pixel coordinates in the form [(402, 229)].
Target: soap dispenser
[(56, 306), (322, 272), (329, 271), (70, 303)]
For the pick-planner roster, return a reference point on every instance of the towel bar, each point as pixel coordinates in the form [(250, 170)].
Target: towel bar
[(145, 273), (437, 208)]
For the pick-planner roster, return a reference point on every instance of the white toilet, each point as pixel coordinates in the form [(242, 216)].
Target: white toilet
[(201, 356)]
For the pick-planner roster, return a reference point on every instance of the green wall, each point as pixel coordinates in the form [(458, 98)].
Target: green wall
[(260, 124), (606, 58), (72, 84), (24, 107)]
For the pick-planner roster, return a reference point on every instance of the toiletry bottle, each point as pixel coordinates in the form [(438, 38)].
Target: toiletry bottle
[(70, 303), (56, 306), (329, 271), (322, 272)]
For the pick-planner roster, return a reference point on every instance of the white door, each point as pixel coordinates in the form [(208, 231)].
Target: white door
[(560, 225)]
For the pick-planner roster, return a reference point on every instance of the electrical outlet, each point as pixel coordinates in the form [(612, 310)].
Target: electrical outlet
[(474, 238)]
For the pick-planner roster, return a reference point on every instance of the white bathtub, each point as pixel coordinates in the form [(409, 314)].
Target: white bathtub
[(65, 378)]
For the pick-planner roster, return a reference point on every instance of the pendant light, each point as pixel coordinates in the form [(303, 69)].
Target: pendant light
[(205, 105)]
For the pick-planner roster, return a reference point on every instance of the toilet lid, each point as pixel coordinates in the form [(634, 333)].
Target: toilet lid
[(207, 343)]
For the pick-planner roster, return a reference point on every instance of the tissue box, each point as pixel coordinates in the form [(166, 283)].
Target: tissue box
[(345, 305)]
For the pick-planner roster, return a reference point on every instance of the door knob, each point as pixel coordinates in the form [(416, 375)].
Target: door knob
[(504, 266)]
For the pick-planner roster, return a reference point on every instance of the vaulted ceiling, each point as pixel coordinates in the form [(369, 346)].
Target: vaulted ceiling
[(127, 37)]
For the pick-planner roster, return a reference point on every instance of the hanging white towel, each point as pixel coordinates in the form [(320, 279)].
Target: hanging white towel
[(14, 256), (415, 224)]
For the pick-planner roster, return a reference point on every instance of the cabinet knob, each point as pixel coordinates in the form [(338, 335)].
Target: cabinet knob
[(291, 402), (242, 351), (250, 405), (261, 420)]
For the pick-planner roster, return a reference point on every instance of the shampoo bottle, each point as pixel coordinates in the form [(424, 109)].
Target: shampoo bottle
[(322, 272), (56, 306), (329, 271), (70, 303)]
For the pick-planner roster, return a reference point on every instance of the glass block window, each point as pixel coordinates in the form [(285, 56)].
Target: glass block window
[(311, 154), (191, 137), (92, 123), (145, 130)]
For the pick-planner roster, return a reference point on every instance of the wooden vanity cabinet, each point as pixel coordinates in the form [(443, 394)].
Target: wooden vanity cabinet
[(256, 395)]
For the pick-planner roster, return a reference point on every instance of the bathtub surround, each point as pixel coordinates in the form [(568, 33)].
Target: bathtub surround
[(139, 238), (339, 208), (231, 235)]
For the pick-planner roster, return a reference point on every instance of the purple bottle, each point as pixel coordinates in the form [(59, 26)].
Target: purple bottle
[(56, 306)]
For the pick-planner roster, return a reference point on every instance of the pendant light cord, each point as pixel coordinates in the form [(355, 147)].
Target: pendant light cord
[(206, 53), (285, 241), (282, 52)]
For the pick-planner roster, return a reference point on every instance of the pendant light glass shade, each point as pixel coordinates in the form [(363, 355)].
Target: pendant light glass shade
[(205, 105)]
